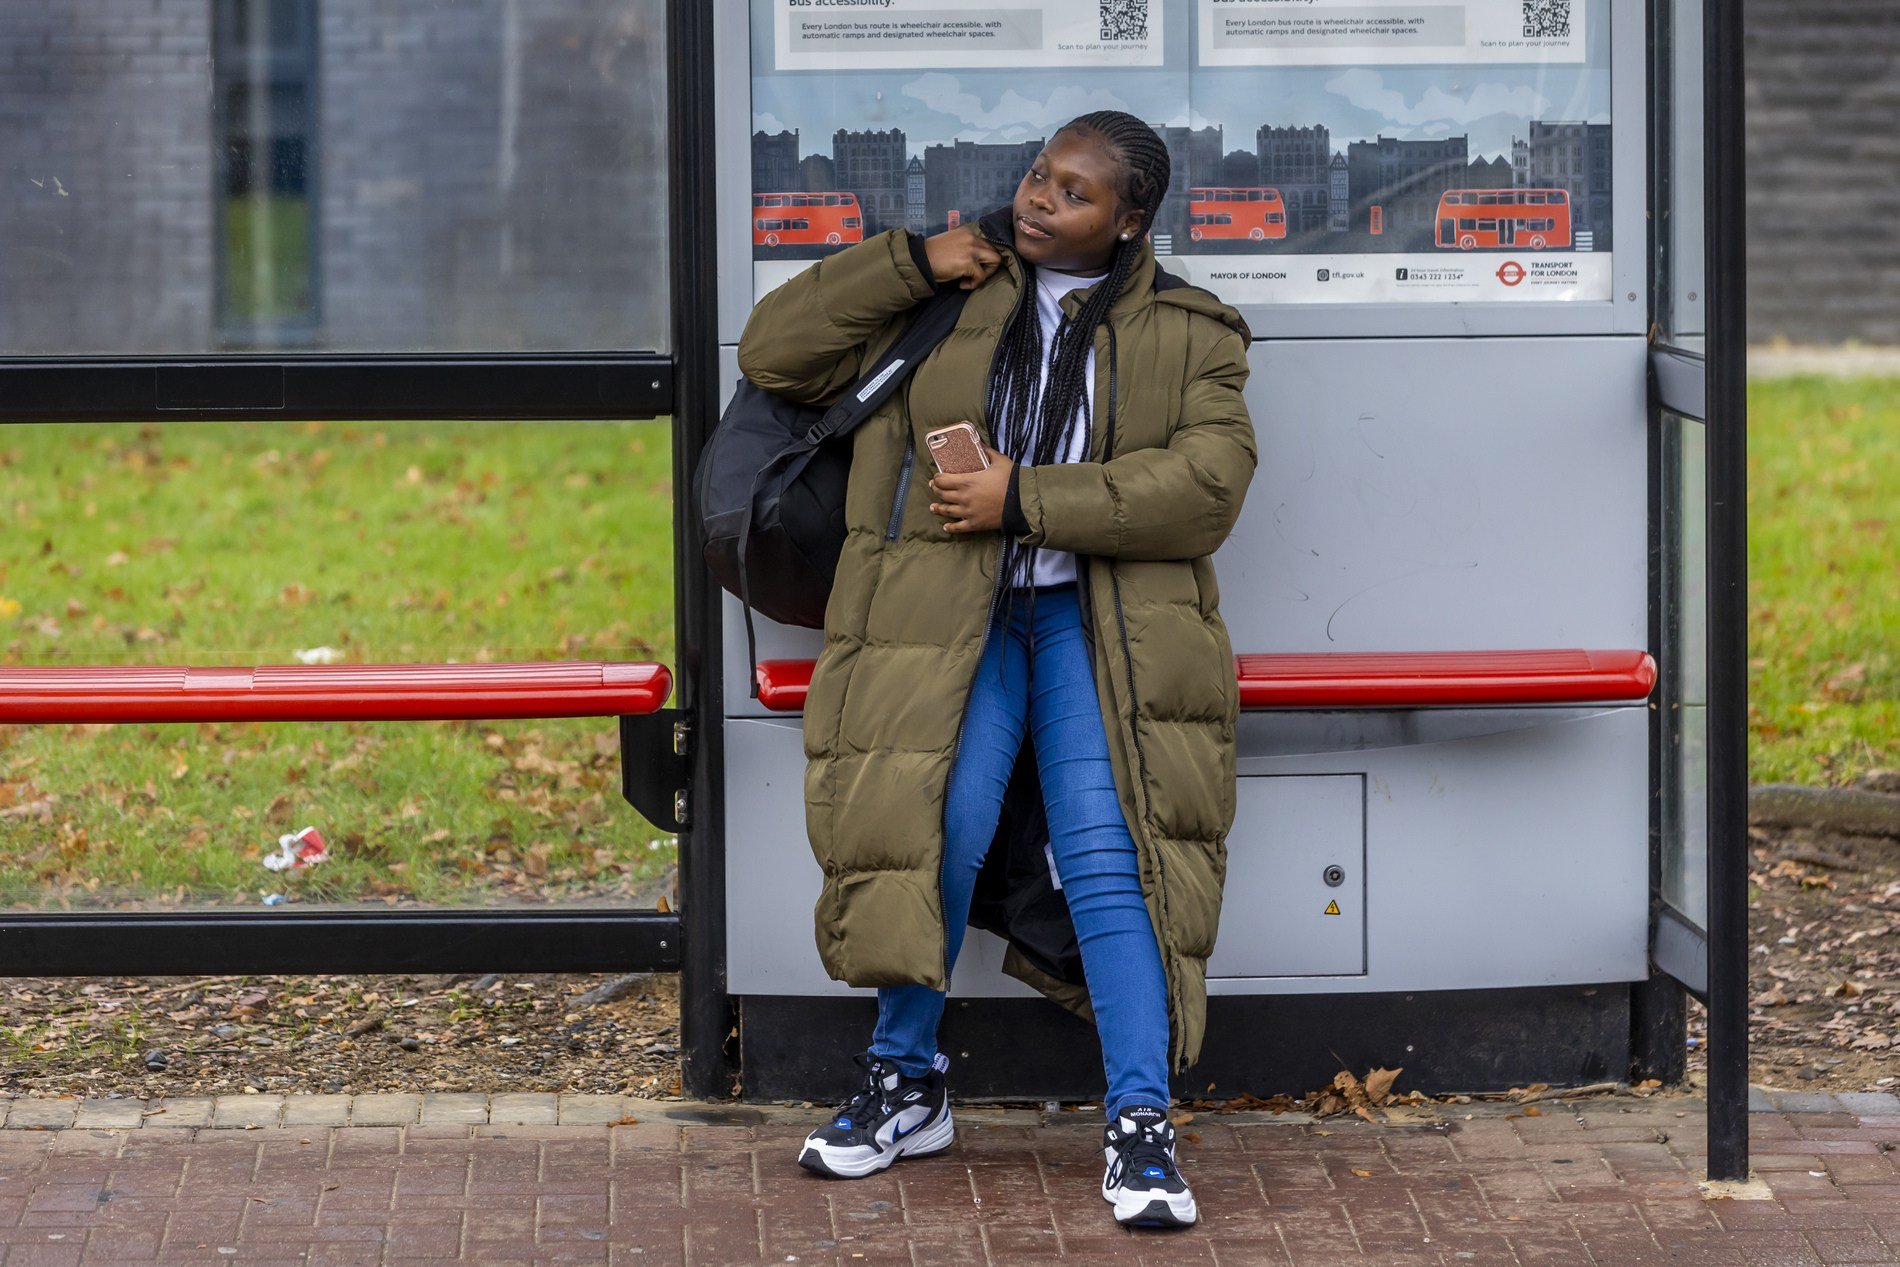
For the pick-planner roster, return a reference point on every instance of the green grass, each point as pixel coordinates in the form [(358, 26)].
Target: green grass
[(1824, 578), (245, 544), (283, 225)]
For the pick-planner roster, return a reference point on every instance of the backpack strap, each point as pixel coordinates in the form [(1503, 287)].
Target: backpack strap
[(928, 326)]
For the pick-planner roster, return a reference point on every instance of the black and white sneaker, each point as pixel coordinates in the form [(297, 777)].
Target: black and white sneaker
[(892, 1116), (1142, 1181)]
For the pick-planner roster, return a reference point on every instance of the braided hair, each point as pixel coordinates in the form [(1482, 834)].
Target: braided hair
[(1037, 430)]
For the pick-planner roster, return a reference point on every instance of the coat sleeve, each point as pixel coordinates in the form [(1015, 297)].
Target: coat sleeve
[(1175, 502), (806, 340)]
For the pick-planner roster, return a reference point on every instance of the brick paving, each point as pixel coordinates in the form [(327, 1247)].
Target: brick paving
[(602, 1179)]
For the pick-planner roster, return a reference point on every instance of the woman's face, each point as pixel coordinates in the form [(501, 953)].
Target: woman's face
[(1066, 207)]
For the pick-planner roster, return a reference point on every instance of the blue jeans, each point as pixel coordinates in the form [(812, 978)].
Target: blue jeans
[(1052, 691)]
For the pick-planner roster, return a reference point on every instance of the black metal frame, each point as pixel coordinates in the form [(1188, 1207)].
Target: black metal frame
[(1725, 284), (207, 942), (1720, 949), (339, 388), (708, 1023)]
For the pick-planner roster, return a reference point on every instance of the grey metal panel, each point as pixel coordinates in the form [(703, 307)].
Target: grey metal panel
[(1443, 494), (732, 122), (1287, 919), (1682, 950), (1510, 858), (1494, 856), (1681, 382), (772, 880)]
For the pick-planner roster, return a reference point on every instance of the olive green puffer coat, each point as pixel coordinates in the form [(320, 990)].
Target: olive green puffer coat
[(1163, 485)]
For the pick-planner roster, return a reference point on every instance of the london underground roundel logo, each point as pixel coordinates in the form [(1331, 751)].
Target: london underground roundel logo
[(1510, 272)]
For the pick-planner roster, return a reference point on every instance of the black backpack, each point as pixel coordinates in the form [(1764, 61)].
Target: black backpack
[(771, 481)]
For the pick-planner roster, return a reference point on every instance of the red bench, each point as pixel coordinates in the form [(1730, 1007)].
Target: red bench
[(1376, 679), (330, 692)]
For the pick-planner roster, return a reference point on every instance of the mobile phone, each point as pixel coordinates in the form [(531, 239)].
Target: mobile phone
[(956, 449)]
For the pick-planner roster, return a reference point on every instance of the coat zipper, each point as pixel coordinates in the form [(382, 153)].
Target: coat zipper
[(983, 644), (903, 488), (1128, 661)]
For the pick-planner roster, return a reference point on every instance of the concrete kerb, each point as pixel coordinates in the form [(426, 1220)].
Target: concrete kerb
[(547, 1109)]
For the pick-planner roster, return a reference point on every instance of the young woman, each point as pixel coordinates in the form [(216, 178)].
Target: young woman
[(1062, 596)]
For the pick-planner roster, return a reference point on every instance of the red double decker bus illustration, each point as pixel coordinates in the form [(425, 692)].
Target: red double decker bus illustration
[(817, 219), (1253, 214), (1519, 219)]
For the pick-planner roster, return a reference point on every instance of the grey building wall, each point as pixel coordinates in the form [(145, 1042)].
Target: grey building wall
[(1823, 95), (486, 176), (105, 177), (482, 176)]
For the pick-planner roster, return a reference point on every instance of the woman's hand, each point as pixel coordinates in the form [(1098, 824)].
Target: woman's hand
[(961, 253), (973, 502)]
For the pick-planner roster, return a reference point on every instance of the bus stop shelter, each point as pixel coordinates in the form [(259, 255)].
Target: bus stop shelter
[(1535, 350)]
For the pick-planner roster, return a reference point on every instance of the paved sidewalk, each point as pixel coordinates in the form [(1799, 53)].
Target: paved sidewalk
[(1607, 1181)]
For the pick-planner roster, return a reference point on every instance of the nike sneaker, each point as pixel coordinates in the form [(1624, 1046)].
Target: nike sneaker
[(1142, 1181), (891, 1116)]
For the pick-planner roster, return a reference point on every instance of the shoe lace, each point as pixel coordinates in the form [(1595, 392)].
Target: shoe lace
[(869, 1096), (1146, 1146)]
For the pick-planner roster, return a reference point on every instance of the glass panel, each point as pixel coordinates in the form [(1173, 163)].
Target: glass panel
[(435, 176), (1684, 689), (1678, 124), (234, 543)]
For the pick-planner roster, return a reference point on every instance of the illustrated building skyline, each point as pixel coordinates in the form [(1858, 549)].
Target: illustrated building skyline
[(1197, 156), (1298, 162), (1575, 156), (871, 165), (971, 177), (1325, 191), (1403, 179), (775, 161)]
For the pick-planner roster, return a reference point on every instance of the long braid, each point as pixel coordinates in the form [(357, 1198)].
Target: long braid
[(1038, 431)]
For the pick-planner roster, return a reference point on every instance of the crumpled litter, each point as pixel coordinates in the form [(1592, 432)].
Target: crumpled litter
[(318, 655), (298, 852)]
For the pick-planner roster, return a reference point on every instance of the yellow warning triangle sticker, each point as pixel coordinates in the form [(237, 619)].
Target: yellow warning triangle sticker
[(1332, 908)]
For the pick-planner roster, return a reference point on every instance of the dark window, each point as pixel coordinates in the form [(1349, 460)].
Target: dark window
[(264, 76)]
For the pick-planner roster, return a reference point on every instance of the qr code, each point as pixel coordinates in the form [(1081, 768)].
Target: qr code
[(1547, 18), (1124, 19)]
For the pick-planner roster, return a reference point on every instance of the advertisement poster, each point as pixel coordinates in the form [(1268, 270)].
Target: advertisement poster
[(933, 34), (1324, 151)]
